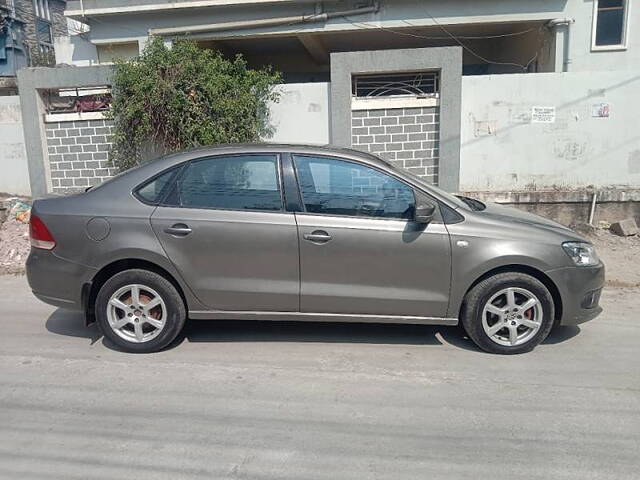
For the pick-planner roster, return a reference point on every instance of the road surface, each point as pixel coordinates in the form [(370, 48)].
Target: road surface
[(316, 401)]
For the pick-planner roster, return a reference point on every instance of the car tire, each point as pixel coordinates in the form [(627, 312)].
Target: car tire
[(508, 313), (147, 324)]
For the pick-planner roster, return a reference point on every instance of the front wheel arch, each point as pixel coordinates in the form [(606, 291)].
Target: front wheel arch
[(534, 272)]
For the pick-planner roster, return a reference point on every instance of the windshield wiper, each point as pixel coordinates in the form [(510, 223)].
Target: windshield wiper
[(472, 203)]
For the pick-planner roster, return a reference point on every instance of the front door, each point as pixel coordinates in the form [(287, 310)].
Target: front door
[(226, 231), (360, 251)]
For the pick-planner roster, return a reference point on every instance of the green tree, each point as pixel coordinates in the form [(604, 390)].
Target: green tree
[(174, 98)]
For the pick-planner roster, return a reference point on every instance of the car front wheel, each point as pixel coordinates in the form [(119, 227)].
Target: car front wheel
[(508, 313), (140, 311)]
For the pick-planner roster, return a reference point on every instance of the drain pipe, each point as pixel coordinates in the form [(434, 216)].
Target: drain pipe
[(268, 22), (592, 212), (551, 24)]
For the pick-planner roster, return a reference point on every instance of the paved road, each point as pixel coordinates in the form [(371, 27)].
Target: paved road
[(316, 401)]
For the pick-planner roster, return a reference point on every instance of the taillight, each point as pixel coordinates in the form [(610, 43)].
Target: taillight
[(40, 235)]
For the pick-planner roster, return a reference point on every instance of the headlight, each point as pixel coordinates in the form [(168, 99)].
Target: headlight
[(582, 254)]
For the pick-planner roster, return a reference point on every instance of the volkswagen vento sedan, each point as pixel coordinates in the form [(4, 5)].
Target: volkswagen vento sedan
[(285, 232)]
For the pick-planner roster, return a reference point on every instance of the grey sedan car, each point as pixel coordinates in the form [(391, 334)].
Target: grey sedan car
[(286, 232)]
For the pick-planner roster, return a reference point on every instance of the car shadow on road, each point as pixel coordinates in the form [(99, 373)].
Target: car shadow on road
[(62, 322), (320, 332), (71, 324)]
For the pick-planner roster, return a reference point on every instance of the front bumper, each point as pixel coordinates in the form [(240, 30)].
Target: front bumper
[(579, 289), (57, 281)]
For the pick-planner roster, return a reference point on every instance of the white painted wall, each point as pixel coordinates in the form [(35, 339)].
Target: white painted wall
[(14, 173), (302, 115), (75, 50), (503, 150)]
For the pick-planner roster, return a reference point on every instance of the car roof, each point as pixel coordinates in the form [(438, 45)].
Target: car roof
[(238, 148)]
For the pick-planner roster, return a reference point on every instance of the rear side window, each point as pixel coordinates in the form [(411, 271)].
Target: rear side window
[(338, 187), (154, 191), (240, 182)]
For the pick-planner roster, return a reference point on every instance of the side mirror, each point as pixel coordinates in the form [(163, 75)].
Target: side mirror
[(424, 213)]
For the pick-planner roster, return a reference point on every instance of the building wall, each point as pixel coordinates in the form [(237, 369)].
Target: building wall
[(302, 114), (407, 137), (78, 154), (78, 150), (75, 50), (502, 148), (14, 174)]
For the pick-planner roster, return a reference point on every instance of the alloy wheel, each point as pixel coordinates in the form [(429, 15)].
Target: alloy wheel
[(512, 316), (136, 313)]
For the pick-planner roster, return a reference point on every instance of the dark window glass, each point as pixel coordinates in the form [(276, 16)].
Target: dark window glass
[(154, 191), (43, 31), (610, 22), (337, 187), (248, 182)]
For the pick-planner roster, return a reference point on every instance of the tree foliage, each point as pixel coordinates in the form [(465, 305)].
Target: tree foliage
[(173, 98)]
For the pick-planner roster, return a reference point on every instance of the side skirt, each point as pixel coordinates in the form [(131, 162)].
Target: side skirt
[(318, 317)]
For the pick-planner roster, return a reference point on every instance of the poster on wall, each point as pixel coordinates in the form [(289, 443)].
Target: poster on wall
[(600, 110), (543, 114)]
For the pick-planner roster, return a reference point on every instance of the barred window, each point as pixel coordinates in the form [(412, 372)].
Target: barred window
[(416, 84)]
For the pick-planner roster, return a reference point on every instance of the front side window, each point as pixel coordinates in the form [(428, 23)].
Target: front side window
[(338, 187), (610, 19), (240, 182)]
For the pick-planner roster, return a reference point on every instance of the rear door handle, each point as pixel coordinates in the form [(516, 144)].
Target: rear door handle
[(317, 236), (178, 230)]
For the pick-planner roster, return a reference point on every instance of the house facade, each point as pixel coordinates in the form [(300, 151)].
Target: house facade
[(491, 96), (297, 36)]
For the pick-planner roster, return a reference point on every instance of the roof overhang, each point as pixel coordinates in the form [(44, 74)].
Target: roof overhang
[(91, 8)]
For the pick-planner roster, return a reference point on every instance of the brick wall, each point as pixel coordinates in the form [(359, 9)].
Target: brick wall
[(407, 137), (79, 154)]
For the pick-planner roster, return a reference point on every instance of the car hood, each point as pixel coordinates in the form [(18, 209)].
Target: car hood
[(511, 214)]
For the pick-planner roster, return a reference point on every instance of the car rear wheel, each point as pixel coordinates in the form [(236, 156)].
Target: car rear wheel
[(508, 313), (140, 311)]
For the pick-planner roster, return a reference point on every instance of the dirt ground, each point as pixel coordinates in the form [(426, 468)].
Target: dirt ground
[(14, 246), (620, 254)]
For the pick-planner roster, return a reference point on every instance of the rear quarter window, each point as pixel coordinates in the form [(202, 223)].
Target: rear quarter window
[(155, 190)]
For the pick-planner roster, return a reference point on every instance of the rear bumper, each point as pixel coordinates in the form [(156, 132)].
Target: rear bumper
[(57, 281), (579, 289)]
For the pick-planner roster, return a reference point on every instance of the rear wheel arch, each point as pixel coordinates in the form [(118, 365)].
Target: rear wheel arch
[(90, 290), (516, 268)]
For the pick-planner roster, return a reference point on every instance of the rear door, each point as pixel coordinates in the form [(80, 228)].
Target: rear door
[(225, 229), (360, 251)]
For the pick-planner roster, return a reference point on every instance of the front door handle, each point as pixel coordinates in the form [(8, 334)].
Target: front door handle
[(178, 230), (317, 236)]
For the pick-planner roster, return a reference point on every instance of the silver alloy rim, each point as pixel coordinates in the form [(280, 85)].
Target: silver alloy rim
[(512, 316), (136, 313)]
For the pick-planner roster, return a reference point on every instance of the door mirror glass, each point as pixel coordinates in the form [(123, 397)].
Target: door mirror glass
[(424, 212)]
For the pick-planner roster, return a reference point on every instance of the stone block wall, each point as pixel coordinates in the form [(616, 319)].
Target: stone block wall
[(407, 137), (25, 12), (79, 154)]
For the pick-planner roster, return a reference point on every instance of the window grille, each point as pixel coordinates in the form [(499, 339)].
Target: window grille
[(416, 84)]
